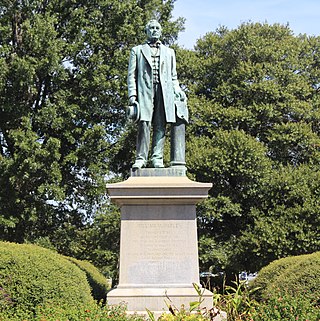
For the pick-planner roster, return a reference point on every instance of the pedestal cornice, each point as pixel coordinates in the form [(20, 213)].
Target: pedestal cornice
[(157, 190)]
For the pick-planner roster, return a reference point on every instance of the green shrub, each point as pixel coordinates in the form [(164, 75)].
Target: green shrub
[(31, 276), (267, 275), (97, 280), (286, 307), (291, 275), (92, 312), (302, 278), (62, 312)]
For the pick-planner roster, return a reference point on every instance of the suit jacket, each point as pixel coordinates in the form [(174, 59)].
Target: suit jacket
[(140, 80)]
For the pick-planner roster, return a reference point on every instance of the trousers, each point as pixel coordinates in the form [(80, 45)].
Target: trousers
[(158, 124)]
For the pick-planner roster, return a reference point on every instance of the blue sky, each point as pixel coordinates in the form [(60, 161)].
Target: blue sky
[(202, 16)]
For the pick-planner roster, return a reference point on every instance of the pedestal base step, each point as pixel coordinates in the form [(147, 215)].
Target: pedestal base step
[(155, 299), (219, 315)]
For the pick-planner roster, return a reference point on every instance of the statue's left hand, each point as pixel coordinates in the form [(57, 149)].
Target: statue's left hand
[(180, 95), (183, 96)]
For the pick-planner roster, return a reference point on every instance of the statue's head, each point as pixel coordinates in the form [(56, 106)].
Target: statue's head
[(153, 30)]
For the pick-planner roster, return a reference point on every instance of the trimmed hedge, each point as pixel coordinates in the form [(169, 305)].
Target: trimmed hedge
[(31, 276), (291, 275), (96, 279)]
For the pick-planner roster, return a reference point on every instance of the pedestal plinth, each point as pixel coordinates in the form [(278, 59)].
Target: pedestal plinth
[(158, 242)]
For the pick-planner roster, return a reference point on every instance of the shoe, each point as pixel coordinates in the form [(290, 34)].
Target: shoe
[(158, 164), (139, 163)]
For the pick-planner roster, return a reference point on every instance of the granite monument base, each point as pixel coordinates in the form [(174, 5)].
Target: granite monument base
[(158, 241)]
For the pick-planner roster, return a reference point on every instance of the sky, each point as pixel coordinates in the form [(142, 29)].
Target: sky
[(202, 16)]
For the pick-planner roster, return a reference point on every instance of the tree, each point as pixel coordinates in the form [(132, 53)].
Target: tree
[(63, 71), (254, 133), (286, 222)]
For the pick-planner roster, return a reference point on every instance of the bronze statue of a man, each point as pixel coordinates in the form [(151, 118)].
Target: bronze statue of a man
[(154, 89)]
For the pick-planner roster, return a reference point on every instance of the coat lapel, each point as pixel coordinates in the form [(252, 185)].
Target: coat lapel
[(162, 57), (147, 53)]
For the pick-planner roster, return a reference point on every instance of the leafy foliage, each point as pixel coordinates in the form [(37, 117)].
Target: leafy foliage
[(195, 312), (82, 313), (31, 276), (253, 95), (236, 300), (97, 281), (254, 134), (288, 289), (286, 307), (98, 242), (62, 95), (290, 275), (287, 221)]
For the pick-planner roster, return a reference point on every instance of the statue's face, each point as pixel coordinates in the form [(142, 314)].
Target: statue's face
[(153, 31)]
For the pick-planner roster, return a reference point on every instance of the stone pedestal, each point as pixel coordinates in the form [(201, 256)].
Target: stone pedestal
[(158, 243)]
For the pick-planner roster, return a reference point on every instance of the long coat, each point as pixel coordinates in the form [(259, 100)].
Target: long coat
[(140, 80)]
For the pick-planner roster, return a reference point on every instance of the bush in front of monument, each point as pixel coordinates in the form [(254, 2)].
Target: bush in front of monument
[(290, 275), (286, 289), (97, 281), (98, 311), (31, 276)]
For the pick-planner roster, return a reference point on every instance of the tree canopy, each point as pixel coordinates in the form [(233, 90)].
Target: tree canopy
[(254, 132), (254, 100), (62, 95)]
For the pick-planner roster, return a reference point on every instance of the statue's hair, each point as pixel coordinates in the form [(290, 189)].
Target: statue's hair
[(149, 23)]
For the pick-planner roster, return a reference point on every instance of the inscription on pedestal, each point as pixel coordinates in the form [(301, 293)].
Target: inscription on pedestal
[(158, 241), (160, 252)]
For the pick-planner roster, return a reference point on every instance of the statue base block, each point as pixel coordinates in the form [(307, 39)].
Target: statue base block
[(158, 241)]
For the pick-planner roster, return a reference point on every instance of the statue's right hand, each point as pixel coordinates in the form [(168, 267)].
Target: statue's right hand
[(132, 100)]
